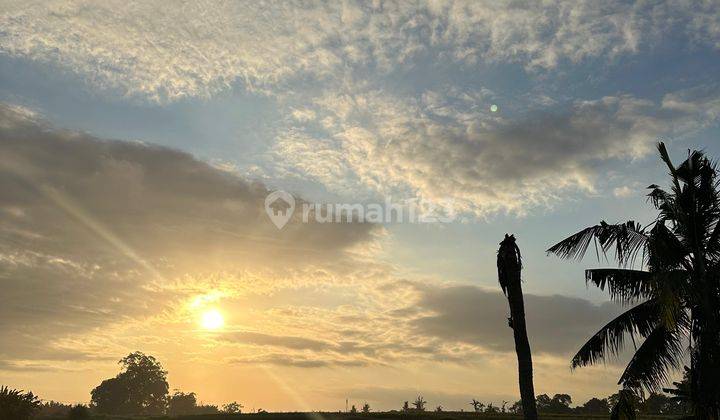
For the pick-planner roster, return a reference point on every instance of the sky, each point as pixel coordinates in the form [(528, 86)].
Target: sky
[(139, 140)]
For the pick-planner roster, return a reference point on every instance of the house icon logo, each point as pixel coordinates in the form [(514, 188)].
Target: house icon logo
[(279, 206)]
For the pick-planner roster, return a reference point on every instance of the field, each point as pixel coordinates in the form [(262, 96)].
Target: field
[(372, 416)]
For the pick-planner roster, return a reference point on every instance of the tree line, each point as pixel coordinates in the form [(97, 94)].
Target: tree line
[(671, 402), (140, 389)]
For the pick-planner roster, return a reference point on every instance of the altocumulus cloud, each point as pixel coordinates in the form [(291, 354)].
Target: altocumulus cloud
[(166, 51), (327, 64), (443, 145)]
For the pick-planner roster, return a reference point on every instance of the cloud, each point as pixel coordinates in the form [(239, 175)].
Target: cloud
[(462, 325), (327, 66), (137, 199), (294, 361), (98, 235), (622, 192), (298, 343), (446, 146), (108, 247), (164, 51), (557, 324)]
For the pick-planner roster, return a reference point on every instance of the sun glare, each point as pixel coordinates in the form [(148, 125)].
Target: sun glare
[(212, 320)]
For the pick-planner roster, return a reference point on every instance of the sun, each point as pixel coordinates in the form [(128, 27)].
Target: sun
[(212, 319)]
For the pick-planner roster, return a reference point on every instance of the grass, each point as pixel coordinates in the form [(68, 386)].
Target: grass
[(449, 415)]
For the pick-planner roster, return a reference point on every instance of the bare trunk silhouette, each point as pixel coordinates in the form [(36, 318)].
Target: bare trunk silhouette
[(509, 263)]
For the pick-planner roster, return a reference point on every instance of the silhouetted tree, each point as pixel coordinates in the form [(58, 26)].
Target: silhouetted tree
[(419, 403), (543, 403), (516, 408), (406, 406), (53, 409), (491, 409), (633, 399), (232, 408), (353, 410), (78, 412), (366, 408), (181, 403), (595, 406), (16, 404), (207, 409), (439, 409), (655, 403), (625, 405), (477, 405), (509, 265), (680, 394), (676, 297), (140, 389), (112, 396), (560, 403)]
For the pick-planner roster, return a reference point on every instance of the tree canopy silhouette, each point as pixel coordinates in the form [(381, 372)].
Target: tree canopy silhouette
[(676, 293), (140, 389), (180, 403), (16, 404)]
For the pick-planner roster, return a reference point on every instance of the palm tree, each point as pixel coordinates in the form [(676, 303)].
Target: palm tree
[(676, 291), (16, 404), (509, 264)]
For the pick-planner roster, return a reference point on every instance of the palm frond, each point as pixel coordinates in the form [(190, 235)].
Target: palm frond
[(622, 284), (625, 239), (659, 197), (665, 156), (641, 320), (713, 243), (664, 249), (661, 352)]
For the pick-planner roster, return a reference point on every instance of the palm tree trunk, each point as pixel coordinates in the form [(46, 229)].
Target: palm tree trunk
[(509, 266)]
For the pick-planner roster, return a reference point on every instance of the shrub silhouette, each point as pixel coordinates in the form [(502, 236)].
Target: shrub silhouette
[(477, 405), (181, 403), (419, 403), (78, 412), (232, 408), (16, 404)]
